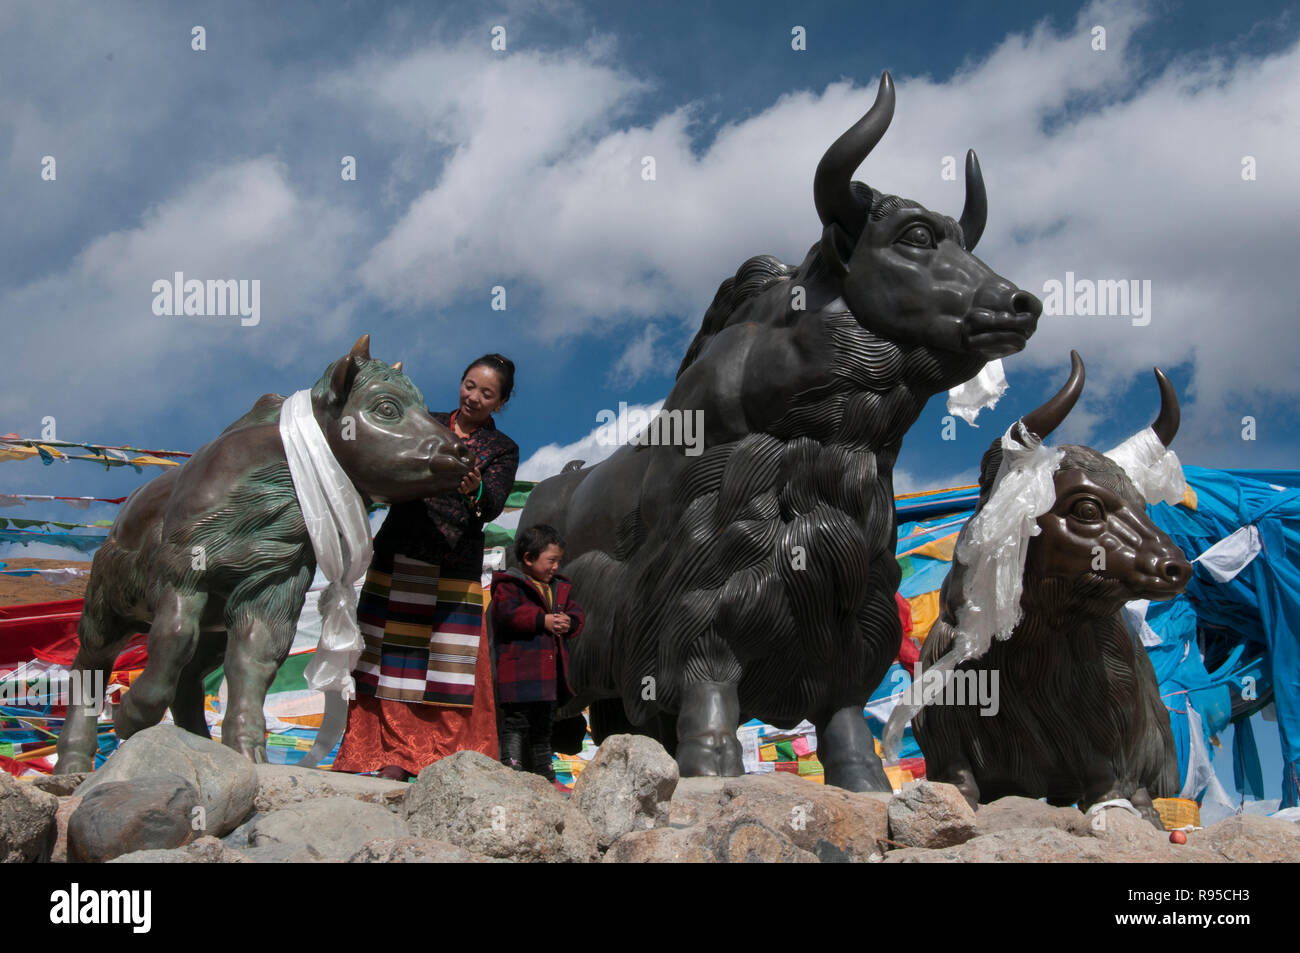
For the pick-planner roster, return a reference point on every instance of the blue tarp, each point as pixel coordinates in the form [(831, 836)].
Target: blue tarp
[(1259, 609)]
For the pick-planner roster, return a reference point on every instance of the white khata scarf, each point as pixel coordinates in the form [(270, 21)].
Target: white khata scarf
[(991, 550), (340, 536)]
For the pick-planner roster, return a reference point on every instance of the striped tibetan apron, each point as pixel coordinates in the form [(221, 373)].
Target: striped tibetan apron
[(421, 632)]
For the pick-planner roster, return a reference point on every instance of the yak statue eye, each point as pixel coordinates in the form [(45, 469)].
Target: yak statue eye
[(388, 408), (921, 236), (1088, 510)]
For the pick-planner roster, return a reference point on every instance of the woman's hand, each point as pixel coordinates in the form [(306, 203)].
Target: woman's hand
[(469, 483)]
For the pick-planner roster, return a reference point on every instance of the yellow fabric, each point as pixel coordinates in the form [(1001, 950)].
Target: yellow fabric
[(545, 590), (925, 612), (937, 548), (1189, 499)]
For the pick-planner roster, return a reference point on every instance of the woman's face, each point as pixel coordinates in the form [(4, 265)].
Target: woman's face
[(480, 395)]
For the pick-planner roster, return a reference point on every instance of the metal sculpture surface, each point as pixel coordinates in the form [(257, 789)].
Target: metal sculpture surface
[(1079, 716), (214, 558), (757, 577)]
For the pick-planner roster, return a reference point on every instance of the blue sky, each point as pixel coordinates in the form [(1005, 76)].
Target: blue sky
[(478, 168)]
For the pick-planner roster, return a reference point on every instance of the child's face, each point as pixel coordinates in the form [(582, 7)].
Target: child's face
[(545, 565)]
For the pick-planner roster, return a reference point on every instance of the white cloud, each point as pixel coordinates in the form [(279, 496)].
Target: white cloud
[(593, 448), (243, 221), (643, 355)]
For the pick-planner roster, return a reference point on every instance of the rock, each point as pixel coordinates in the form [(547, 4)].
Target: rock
[(118, 817), (60, 785), (627, 787), (327, 828), (1250, 838), (1026, 845), (1018, 813), (834, 824), (67, 806), (485, 807), (27, 825), (1123, 829), (415, 850), (930, 814), (241, 837), (1052, 845), (282, 784), (225, 780), (287, 854), (733, 838), (205, 850)]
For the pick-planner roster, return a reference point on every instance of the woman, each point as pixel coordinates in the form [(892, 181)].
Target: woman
[(424, 682)]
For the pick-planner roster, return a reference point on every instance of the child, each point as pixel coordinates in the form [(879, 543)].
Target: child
[(533, 620)]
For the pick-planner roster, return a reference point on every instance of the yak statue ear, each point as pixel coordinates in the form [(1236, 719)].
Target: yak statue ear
[(345, 371), (837, 249)]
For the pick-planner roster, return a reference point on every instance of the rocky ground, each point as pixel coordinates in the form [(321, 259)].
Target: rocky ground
[(167, 796)]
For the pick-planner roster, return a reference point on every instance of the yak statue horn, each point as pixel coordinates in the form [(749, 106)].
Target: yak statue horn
[(1166, 425), (832, 185), (1049, 416), (976, 210)]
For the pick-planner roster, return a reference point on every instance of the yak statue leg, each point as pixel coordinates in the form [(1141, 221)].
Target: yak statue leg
[(256, 646), (707, 745), (101, 641), (187, 707), (172, 640), (847, 751)]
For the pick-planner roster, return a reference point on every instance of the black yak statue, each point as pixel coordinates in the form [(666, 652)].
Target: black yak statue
[(756, 578)]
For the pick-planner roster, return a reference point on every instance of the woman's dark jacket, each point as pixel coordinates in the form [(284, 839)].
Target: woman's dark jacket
[(448, 530)]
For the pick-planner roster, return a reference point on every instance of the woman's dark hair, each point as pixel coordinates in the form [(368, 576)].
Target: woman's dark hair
[(534, 540), (504, 367)]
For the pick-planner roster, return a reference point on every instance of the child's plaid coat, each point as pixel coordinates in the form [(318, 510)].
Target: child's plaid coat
[(526, 654)]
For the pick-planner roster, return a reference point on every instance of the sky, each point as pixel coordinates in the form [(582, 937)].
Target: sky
[(1164, 155)]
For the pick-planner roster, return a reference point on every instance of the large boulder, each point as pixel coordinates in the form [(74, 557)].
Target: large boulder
[(1250, 838), (1019, 813), (627, 787), (225, 780), (27, 826), (332, 828), (415, 850), (205, 850), (930, 814), (279, 785), (834, 824), (481, 805), (118, 817), (733, 838)]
